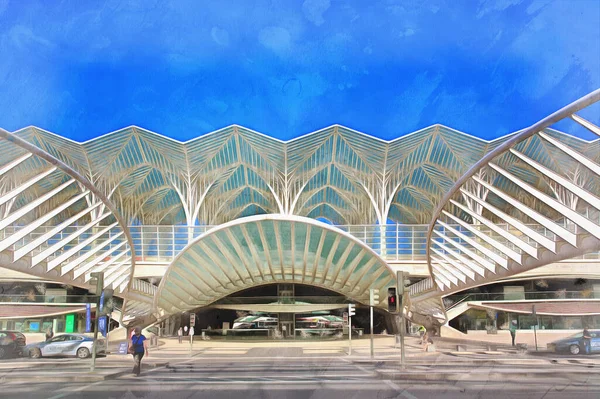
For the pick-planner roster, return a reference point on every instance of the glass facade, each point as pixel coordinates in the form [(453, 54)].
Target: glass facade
[(479, 319)]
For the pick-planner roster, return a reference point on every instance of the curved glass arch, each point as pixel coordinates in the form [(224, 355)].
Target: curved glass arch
[(267, 249)]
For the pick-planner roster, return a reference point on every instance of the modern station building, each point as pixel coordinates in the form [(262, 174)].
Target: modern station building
[(235, 223)]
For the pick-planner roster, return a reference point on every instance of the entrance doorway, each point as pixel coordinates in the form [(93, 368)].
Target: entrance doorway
[(286, 325), (287, 329)]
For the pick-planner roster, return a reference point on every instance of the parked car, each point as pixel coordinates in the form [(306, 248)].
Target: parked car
[(11, 343), (65, 345), (574, 343)]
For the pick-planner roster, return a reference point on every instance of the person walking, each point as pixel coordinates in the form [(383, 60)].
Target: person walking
[(180, 334), (587, 341), (422, 331), (138, 347), (185, 330), (513, 331), (49, 334), (426, 341)]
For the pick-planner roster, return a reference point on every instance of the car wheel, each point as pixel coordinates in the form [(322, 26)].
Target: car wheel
[(35, 353), (2, 352), (83, 353), (574, 349)]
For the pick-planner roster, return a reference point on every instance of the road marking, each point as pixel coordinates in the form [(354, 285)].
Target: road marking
[(224, 352), (403, 392), (309, 351), (73, 390)]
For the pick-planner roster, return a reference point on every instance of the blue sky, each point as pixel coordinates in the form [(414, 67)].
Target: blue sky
[(285, 68)]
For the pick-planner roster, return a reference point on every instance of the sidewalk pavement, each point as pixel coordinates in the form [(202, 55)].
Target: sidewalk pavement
[(447, 363), (75, 371)]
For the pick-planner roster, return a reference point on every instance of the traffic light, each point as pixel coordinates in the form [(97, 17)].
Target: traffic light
[(351, 309), (402, 283), (392, 300), (374, 297)]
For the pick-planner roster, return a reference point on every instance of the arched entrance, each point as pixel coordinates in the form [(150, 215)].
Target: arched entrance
[(268, 249)]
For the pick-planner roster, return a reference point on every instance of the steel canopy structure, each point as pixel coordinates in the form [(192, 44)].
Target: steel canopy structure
[(55, 224), (497, 221), (342, 175), (65, 207), (267, 249)]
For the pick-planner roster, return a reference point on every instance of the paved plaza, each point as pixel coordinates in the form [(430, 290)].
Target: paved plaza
[(306, 370)]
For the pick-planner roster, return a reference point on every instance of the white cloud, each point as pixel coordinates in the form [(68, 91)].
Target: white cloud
[(23, 37), (275, 38), (220, 36), (537, 5), (488, 6), (407, 32), (314, 10)]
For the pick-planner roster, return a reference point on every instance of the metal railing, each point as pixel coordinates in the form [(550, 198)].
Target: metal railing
[(143, 287), (52, 299), (162, 243), (454, 300), (292, 300)]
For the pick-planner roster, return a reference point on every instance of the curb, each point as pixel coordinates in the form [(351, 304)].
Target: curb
[(82, 377), (481, 377)]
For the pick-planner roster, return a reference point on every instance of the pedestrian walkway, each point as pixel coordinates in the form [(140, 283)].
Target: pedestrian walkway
[(387, 356)]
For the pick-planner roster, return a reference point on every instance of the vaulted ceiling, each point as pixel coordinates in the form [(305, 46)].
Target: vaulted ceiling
[(336, 173)]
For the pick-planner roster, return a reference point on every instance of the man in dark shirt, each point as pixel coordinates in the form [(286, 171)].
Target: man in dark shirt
[(139, 344), (587, 341)]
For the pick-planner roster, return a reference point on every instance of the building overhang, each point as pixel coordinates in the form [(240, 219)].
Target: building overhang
[(267, 249), (558, 307)]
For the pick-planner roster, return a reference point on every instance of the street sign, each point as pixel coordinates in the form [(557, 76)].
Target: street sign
[(123, 348), (192, 319), (345, 318), (88, 318), (101, 302), (102, 325), (351, 309)]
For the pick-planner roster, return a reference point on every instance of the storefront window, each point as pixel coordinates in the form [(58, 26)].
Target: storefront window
[(475, 319), (526, 322), (545, 322)]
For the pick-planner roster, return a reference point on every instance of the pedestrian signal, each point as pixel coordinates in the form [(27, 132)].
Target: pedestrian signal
[(392, 300)]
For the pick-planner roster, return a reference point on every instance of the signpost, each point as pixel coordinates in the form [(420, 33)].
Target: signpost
[(192, 324), (351, 312), (99, 279), (534, 326), (400, 287), (374, 300)]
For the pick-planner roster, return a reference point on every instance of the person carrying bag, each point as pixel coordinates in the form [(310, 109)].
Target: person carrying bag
[(138, 346)]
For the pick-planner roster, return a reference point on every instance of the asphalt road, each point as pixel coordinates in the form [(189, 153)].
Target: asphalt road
[(276, 376)]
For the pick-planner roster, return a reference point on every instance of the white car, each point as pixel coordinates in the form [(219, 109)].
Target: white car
[(65, 345)]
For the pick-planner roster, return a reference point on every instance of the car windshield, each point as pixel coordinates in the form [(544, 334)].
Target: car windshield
[(578, 335)]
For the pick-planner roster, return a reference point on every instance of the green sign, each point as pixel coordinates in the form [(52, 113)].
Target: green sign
[(70, 323)]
